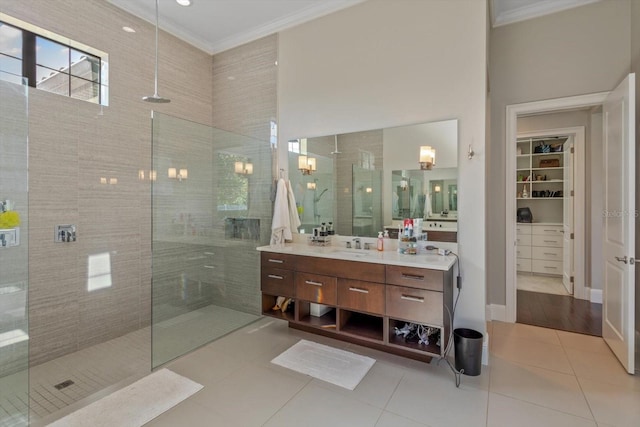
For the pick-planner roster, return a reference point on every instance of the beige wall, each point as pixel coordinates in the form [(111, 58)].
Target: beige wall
[(578, 51), (380, 64), (71, 145)]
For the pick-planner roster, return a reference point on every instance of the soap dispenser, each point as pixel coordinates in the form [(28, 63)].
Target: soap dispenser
[(380, 241)]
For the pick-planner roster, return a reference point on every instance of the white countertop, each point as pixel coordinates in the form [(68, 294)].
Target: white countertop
[(432, 261)]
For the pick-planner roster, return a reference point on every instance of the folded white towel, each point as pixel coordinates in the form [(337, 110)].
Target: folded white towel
[(281, 225)]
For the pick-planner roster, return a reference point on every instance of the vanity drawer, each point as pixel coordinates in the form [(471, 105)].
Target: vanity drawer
[(357, 270), (276, 281), (551, 254), (361, 296), (523, 229), (523, 251), (415, 277), (415, 305), (549, 230), (523, 240), (523, 264), (316, 288), (547, 240), (275, 260), (546, 267)]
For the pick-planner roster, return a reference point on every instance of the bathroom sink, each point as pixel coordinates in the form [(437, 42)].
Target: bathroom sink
[(362, 253)]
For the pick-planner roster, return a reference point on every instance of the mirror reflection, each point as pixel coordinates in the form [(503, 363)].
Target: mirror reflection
[(362, 182)]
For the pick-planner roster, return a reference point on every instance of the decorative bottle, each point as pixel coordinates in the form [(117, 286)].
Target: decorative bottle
[(525, 194), (380, 241)]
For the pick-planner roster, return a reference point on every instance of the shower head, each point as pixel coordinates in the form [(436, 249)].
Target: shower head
[(335, 151), (155, 98)]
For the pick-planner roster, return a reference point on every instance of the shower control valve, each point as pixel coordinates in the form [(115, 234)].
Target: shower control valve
[(65, 233)]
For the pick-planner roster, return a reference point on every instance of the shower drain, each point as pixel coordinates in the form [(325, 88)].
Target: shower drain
[(64, 384)]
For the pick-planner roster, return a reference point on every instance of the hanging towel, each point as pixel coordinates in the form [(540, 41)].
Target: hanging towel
[(294, 219), (281, 224)]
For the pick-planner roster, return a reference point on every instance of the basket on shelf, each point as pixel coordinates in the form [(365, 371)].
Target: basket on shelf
[(549, 163)]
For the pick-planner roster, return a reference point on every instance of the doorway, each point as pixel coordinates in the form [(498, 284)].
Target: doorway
[(551, 189), (545, 308)]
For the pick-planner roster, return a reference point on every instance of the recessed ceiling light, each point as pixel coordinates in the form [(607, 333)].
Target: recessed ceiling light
[(184, 2), (231, 78), (129, 29)]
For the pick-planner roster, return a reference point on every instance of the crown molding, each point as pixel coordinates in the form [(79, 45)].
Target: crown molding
[(533, 10)]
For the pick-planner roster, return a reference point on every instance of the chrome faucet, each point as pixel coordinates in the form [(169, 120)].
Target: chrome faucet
[(357, 241)]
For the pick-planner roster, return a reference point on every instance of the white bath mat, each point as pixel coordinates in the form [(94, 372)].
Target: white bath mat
[(135, 404), (329, 364)]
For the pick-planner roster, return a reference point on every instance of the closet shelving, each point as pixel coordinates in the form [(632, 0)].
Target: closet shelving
[(534, 180)]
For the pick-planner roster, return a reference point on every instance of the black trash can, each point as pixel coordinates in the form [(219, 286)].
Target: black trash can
[(468, 348)]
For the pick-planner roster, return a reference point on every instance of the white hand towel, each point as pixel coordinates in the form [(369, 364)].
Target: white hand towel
[(281, 226), (294, 219)]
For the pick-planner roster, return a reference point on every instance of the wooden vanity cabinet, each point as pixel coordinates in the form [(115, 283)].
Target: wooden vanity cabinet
[(277, 280), (365, 301)]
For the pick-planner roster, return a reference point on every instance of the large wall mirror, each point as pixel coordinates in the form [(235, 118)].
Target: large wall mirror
[(364, 181)]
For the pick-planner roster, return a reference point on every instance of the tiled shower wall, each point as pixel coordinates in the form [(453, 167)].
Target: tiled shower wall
[(72, 144), (245, 102)]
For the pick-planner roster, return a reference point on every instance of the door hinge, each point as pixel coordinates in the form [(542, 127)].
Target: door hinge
[(571, 279), (571, 193), (572, 150), (572, 236)]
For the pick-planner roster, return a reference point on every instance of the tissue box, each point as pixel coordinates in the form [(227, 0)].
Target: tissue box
[(318, 310)]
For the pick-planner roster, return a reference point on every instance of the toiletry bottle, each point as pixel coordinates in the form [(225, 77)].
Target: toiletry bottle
[(380, 241)]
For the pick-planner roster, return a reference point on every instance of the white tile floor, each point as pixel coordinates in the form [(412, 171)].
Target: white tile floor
[(536, 377)]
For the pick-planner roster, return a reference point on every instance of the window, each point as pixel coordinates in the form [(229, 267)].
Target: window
[(52, 63)]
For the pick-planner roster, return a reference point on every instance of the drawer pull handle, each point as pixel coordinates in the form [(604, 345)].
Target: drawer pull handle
[(209, 253), (550, 241), (550, 268), (275, 276), (412, 276), (210, 266), (550, 253), (552, 231), (311, 282), (362, 291), (411, 298), (277, 261)]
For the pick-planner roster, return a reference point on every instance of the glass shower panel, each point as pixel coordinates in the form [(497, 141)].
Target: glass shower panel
[(14, 339), (367, 201), (211, 208)]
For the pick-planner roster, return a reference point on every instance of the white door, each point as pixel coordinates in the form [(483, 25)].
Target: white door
[(619, 227), (567, 213)]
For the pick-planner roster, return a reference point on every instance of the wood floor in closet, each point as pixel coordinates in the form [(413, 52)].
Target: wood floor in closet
[(559, 312)]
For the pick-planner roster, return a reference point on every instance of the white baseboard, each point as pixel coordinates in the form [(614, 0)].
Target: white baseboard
[(496, 312), (596, 296)]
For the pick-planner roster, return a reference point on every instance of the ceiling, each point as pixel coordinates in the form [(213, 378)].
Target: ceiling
[(218, 25)]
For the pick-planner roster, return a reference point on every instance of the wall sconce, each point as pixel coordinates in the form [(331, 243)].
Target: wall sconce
[(368, 190), (311, 185), (152, 175), (242, 168), (427, 157), (181, 174), (306, 164), (437, 188)]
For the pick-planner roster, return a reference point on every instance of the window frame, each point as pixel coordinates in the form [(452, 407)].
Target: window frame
[(30, 34)]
